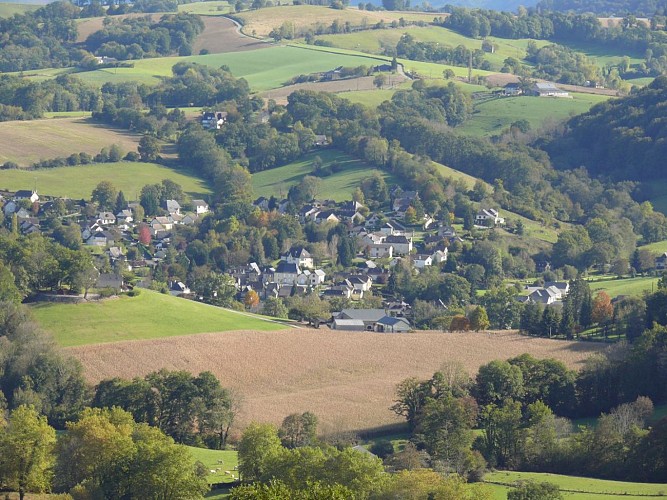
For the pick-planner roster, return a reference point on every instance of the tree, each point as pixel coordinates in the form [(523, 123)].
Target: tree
[(298, 430), (251, 299), (274, 306), (603, 310), (104, 195), (497, 381), (478, 319), (504, 437), (258, 444), (379, 80), (149, 148), (150, 197), (531, 490), (27, 444), (121, 202)]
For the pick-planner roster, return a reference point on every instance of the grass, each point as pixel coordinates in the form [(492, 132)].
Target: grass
[(591, 488), (260, 22), (493, 115), (9, 9), (264, 69), (78, 182), (215, 8), (151, 315), (659, 247), (26, 142), (338, 186), (225, 460), (626, 286)]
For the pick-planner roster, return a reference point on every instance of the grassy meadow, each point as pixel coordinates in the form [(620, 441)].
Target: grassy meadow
[(493, 115), (626, 286), (224, 460), (214, 8), (150, 315), (338, 186), (657, 248), (584, 486), (25, 142), (79, 181), (9, 9)]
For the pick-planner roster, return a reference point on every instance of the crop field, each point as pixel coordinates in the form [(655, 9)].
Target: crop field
[(260, 22), (626, 286), (148, 316), (25, 142), (220, 461), (346, 378), (338, 186), (263, 69), (220, 35), (493, 115), (9, 9), (374, 41), (79, 181), (574, 487)]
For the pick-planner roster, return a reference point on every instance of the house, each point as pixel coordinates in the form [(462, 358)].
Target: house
[(162, 224), (262, 203), (172, 207), (392, 228), (343, 289), (310, 278), (321, 140), (177, 288), (440, 256), (488, 217), (563, 287), (106, 218), (201, 207), (402, 244), (548, 89), (299, 256), (97, 239), (105, 60), (542, 296), (10, 207), (308, 212), (420, 261), (512, 89), (286, 273), (661, 262), (380, 251), (373, 320), (213, 120), (125, 216), (326, 216), (25, 194), (189, 219), (360, 283)]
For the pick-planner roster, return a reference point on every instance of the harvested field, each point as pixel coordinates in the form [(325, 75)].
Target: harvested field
[(221, 35), (26, 142), (349, 85), (346, 378)]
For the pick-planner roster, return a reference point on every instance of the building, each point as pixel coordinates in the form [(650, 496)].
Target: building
[(369, 320), (548, 89), (488, 217), (299, 256), (213, 120), (200, 206)]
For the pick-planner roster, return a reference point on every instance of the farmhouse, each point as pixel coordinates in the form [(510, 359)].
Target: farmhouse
[(661, 262), (201, 207), (370, 320)]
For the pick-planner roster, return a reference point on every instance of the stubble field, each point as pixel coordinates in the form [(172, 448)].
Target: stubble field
[(346, 378)]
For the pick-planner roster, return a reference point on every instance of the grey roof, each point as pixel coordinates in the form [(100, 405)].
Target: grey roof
[(391, 321), (362, 314), (396, 239), (286, 267)]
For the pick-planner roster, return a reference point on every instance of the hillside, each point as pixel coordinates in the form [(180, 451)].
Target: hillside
[(606, 7), (346, 378), (147, 316), (625, 139)]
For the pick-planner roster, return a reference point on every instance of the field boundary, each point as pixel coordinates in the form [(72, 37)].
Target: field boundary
[(568, 490)]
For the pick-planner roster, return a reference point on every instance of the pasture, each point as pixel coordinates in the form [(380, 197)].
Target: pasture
[(224, 460), (9, 9), (214, 8), (264, 69), (260, 22), (150, 315), (626, 286), (79, 181), (338, 186), (492, 115), (574, 487), (25, 142), (346, 378), (656, 248)]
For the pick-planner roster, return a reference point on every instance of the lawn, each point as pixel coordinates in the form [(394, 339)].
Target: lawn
[(260, 22), (26, 142), (264, 69), (591, 488), (78, 182), (151, 315), (338, 186), (492, 115), (657, 248), (220, 461), (626, 286)]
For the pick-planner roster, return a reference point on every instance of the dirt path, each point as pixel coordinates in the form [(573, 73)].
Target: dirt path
[(346, 378)]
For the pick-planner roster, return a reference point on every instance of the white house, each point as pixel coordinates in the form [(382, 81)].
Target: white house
[(488, 217), (286, 273), (381, 251), (25, 194), (213, 120), (548, 89), (173, 207), (402, 244), (106, 218), (420, 261), (299, 256), (200, 206)]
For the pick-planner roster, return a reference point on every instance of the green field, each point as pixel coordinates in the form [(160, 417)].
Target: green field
[(214, 8), (9, 9), (495, 114), (225, 460), (338, 187), (374, 41), (659, 247), (586, 487), (626, 286), (151, 315), (264, 69), (78, 182)]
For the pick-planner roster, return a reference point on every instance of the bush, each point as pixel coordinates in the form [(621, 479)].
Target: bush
[(134, 292), (132, 156), (106, 292), (382, 448)]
